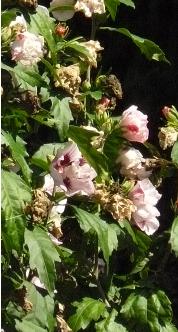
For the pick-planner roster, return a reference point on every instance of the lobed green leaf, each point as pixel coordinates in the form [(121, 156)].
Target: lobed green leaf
[(15, 193), (43, 256), (87, 310), (19, 153), (107, 236), (147, 47)]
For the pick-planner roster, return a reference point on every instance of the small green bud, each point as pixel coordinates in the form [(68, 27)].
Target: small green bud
[(86, 86)]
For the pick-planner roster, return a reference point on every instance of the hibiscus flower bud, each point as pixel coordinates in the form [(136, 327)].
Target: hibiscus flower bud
[(171, 114), (104, 101), (145, 196), (134, 125), (27, 48), (61, 30), (167, 137)]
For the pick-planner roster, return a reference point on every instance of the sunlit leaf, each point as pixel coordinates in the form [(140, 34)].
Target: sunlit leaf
[(174, 153), (109, 324), (42, 311), (147, 47), (62, 115), (41, 23), (28, 326), (148, 310), (19, 153), (43, 255), (15, 193), (40, 157), (107, 237), (87, 310), (174, 236)]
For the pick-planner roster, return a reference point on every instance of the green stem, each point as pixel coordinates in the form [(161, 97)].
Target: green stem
[(96, 275)]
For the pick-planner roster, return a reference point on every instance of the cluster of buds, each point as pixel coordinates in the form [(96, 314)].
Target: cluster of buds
[(103, 105)]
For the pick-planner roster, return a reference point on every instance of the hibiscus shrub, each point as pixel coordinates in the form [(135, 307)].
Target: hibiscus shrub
[(83, 242)]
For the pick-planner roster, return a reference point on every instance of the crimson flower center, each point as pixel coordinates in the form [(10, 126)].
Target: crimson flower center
[(67, 182), (133, 128), (66, 161)]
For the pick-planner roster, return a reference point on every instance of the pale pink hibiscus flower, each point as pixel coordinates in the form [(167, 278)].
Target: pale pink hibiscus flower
[(71, 172), (145, 196), (134, 125)]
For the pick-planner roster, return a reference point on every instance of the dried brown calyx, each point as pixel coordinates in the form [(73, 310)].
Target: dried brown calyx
[(112, 201), (39, 207), (110, 85), (68, 78), (62, 326)]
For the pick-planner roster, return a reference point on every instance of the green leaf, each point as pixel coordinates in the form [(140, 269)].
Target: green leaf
[(107, 237), (168, 328), (24, 77), (42, 311), (129, 3), (147, 47), (27, 326), (15, 193), (94, 94), (87, 310), (112, 6), (109, 325), (43, 255), (19, 153), (114, 142), (7, 16), (174, 153), (40, 157), (41, 23), (174, 236), (62, 115), (75, 45), (148, 310), (96, 159)]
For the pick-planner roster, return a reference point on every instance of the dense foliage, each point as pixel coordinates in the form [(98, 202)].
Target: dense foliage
[(83, 247)]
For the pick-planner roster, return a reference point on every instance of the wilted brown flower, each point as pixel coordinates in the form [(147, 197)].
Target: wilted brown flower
[(61, 323), (68, 78), (113, 202), (167, 137), (39, 207)]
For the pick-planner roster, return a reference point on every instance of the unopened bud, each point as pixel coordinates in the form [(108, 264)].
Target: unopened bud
[(61, 30), (171, 114), (165, 110), (104, 101), (86, 86)]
